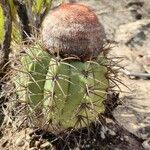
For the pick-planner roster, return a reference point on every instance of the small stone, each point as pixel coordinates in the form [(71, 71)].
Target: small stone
[(20, 142), (104, 129), (33, 148), (126, 138), (31, 132), (28, 137), (102, 135), (45, 145), (146, 144), (111, 132), (37, 143)]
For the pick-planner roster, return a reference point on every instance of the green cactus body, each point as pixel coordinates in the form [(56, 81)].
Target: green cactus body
[(69, 93), (86, 94), (74, 93), (56, 89), (31, 79)]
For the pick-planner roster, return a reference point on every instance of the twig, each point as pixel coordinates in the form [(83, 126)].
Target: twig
[(135, 74)]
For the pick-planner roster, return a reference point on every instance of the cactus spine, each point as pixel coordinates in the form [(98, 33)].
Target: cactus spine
[(66, 93)]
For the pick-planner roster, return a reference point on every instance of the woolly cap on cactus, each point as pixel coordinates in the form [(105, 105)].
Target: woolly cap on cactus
[(73, 30)]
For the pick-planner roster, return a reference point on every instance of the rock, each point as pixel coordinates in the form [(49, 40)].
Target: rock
[(146, 63), (33, 148), (146, 144), (136, 35), (146, 9), (134, 114), (20, 142), (133, 42), (135, 8), (130, 119), (45, 145), (37, 143), (127, 59)]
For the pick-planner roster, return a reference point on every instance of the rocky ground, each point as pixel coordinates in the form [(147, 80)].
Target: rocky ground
[(127, 23)]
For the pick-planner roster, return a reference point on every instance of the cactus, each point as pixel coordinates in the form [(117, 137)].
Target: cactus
[(68, 89), (64, 93)]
